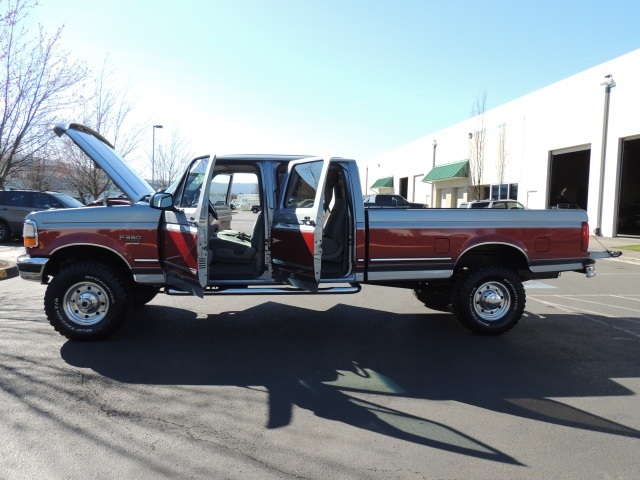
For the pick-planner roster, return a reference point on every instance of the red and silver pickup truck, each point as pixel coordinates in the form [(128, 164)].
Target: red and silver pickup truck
[(312, 236)]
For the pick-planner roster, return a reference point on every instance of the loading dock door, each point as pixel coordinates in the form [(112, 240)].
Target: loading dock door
[(404, 187), (569, 180), (629, 199)]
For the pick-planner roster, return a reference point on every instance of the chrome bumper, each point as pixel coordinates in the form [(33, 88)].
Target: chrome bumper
[(31, 268)]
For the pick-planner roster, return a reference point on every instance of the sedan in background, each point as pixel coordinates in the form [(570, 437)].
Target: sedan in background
[(508, 204)]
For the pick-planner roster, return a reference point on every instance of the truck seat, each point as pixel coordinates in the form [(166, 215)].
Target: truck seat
[(333, 237), (234, 247)]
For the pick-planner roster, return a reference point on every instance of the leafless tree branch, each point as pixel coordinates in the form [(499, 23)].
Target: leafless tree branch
[(171, 159), (36, 80), (477, 145)]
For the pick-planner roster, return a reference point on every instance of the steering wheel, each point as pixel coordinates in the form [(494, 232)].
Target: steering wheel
[(213, 211)]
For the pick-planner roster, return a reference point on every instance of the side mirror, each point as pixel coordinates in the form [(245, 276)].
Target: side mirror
[(161, 201)]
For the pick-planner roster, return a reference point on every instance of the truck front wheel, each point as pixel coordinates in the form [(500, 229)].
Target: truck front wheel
[(489, 300), (87, 301)]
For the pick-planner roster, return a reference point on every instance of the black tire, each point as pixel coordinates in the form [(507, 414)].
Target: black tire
[(5, 232), (143, 294), (87, 301), (438, 301), (489, 300)]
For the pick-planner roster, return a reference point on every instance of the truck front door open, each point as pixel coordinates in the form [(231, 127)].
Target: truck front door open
[(185, 234)]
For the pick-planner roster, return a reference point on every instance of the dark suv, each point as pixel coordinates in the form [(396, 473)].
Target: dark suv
[(389, 200), (17, 204)]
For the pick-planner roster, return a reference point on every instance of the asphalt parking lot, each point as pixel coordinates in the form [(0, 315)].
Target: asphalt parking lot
[(362, 386)]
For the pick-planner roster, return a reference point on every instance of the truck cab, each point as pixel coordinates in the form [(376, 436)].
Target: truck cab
[(303, 236)]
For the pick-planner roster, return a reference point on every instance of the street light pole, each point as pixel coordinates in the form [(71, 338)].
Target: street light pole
[(153, 156)]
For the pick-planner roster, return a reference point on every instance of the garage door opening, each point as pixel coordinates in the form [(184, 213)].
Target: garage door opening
[(569, 180), (629, 199), (404, 187)]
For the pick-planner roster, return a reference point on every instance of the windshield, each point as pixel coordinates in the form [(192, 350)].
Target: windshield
[(67, 201)]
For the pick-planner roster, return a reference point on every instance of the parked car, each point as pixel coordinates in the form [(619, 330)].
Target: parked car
[(508, 204), (390, 201), (256, 208), (15, 205)]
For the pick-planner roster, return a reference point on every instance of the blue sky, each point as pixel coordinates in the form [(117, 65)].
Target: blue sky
[(350, 78)]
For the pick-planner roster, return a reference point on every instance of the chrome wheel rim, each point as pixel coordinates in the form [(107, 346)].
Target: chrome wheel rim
[(491, 301), (86, 303)]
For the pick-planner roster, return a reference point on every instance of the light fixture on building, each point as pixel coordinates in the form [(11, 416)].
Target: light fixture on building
[(608, 81)]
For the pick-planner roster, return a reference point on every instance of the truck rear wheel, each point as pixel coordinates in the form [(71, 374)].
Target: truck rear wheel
[(489, 300), (87, 301)]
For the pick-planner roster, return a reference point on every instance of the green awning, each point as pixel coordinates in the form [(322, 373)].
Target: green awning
[(448, 171), (383, 182)]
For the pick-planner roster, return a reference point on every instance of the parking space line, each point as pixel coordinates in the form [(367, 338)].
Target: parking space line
[(585, 313), (572, 309), (599, 303), (627, 298), (587, 295)]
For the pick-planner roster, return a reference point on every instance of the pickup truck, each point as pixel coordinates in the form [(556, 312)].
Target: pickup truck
[(312, 236), (389, 201)]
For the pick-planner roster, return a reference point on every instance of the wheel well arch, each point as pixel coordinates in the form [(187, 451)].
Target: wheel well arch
[(493, 254), (77, 253)]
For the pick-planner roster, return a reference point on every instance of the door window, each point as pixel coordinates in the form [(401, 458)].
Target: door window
[(219, 192), (19, 199), (303, 185), (189, 194), (42, 200)]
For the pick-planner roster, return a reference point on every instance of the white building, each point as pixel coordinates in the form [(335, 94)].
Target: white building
[(573, 143)]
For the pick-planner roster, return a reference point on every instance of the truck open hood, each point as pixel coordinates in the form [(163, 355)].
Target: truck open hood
[(104, 156)]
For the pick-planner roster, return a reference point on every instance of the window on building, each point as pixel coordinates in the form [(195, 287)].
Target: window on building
[(504, 191)]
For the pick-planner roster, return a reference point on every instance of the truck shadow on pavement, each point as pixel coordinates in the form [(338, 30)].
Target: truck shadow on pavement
[(317, 360)]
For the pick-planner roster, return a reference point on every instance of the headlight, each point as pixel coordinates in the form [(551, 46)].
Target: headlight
[(30, 233)]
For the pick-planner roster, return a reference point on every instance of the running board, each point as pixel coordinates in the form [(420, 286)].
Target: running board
[(284, 290)]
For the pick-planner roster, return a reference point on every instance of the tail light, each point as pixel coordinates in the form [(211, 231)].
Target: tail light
[(585, 236)]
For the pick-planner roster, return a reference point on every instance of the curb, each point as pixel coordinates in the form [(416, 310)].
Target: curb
[(8, 270), (623, 259)]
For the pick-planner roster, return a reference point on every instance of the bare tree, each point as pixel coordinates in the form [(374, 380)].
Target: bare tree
[(501, 157), (171, 159), (36, 81), (40, 173), (81, 175), (477, 145), (108, 110)]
